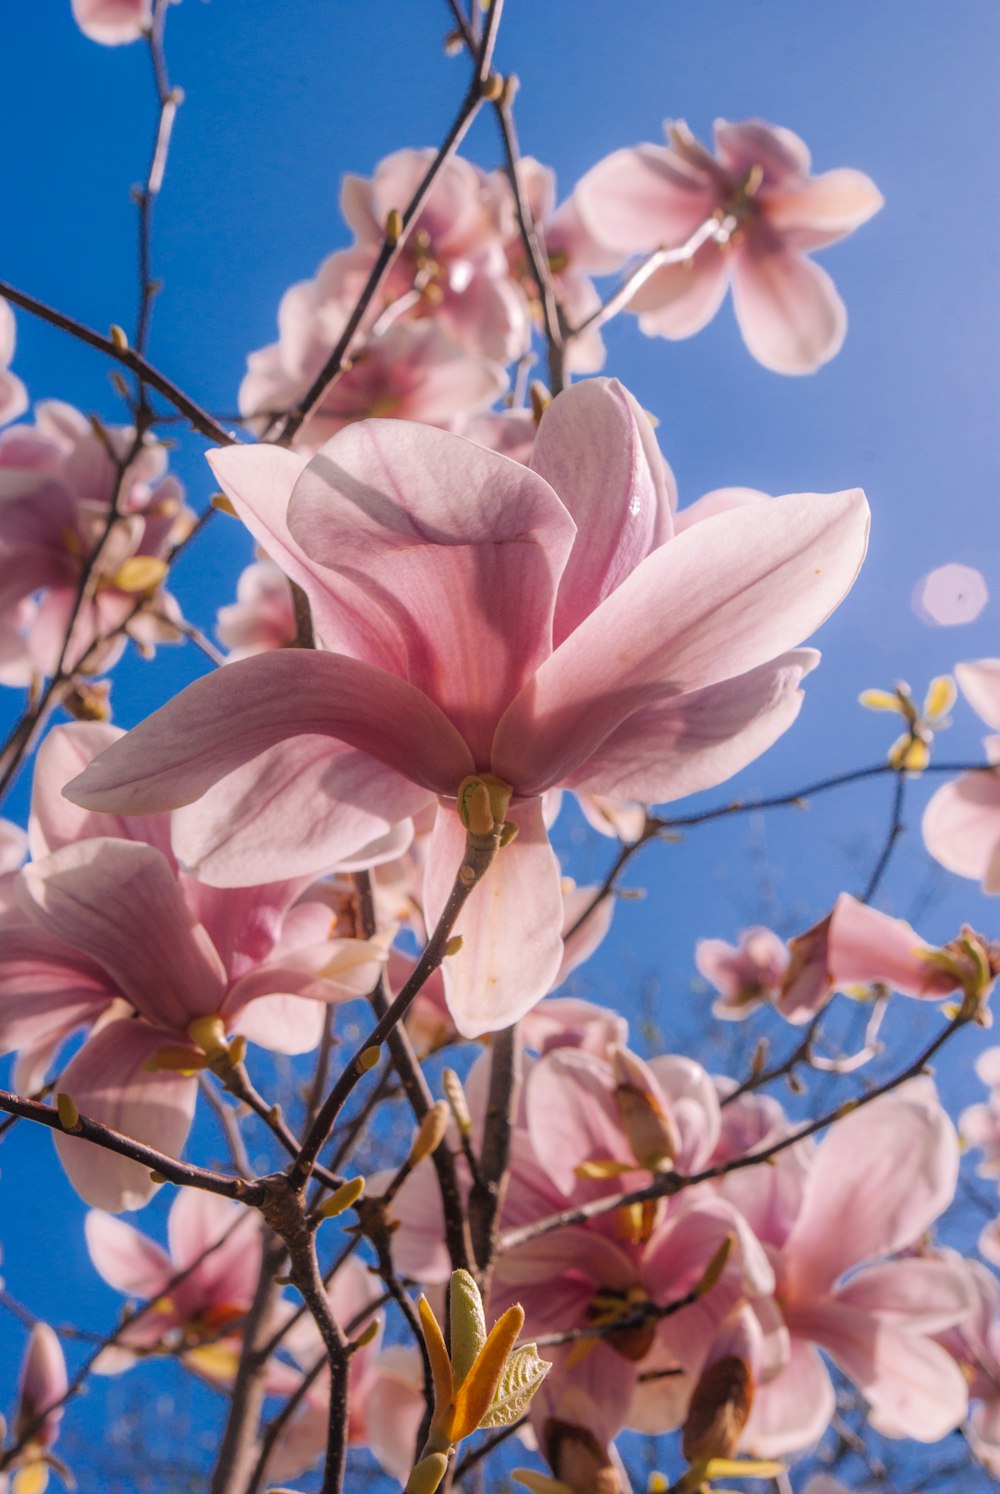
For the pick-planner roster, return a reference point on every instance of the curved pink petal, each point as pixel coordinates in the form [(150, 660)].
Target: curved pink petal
[(864, 945), (230, 717), (925, 1296), (47, 988), (109, 1082), (792, 1411), (511, 924), (813, 213), (692, 742), (251, 828), (128, 1261), (118, 902), (779, 153), (571, 1117), (643, 198), (980, 684), (281, 1023), (961, 828), (596, 448), (717, 601), (914, 1387), (43, 1381), (678, 300), (880, 1178), (113, 22), (409, 518), (221, 1241), (790, 314), (55, 820)]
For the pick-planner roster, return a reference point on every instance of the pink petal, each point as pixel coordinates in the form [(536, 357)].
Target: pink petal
[(118, 902), (251, 827), (914, 1387), (880, 1178), (792, 1411), (692, 742), (678, 300), (46, 987), (127, 1260), (922, 1296), (230, 717), (597, 450), (511, 924), (572, 1117), (980, 684), (961, 828), (782, 155), (284, 1024), (865, 945), (55, 820), (790, 314), (644, 198), (406, 516), (717, 601), (43, 1380), (227, 1273), (814, 213), (109, 1083)]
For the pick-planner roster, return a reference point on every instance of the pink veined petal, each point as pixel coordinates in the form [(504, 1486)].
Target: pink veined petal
[(572, 1117), (782, 155), (788, 309), (221, 1240), (597, 450), (56, 821), (693, 1103), (282, 1023), (511, 925), (980, 684), (109, 1083), (47, 988), (717, 601), (451, 551), (924, 1296), (881, 1176), (692, 742), (678, 300), (581, 939), (914, 1387), (811, 214), (230, 717), (128, 1261), (961, 827), (718, 501), (43, 1380), (252, 827), (643, 198), (118, 902), (792, 1411), (865, 945), (259, 481)]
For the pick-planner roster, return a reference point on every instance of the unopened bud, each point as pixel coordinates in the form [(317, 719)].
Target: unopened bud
[(493, 87), (118, 337), (368, 1332), (69, 1116), (719, 1410), (158, 1177), (369, 1057), (428, 1474), (223, 504), (540, 399), (453, 43), (454, 945), (455, 1095), (344, 1197), (431, 1133), (393, 227), (511, 85)]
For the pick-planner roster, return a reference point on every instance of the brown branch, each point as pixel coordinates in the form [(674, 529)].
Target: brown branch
[(490, 1182)]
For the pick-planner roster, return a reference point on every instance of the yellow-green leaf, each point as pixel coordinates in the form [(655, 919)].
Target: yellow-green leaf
[(475, 1395), (468, 1324), (524, 1372)]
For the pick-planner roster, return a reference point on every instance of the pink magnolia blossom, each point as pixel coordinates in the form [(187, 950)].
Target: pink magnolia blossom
[(113, 22), (42, 1387), (975, 1345), (57, 483), (771, 213), (263, 615), (464, 631), (962, 821), (980, 1124), (453, 265), (875, 1184), (110, 935), (858, 946), (747, 974), (13, 395), (201, 1289)]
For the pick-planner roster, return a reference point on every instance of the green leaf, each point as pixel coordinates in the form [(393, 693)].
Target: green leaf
[(468, 1325), (524, 1373)]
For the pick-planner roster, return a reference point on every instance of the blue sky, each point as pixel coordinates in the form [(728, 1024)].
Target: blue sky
[(281, 99)]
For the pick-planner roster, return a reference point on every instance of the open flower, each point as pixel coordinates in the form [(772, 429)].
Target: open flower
[(962, 820), (539, 625), (771, 213)]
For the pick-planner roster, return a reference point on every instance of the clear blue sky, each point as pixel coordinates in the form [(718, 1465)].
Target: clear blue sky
[(282, 98)]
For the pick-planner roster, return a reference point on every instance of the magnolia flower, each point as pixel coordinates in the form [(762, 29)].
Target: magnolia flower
[(975, 1345), (263, 615), (201, 1290), (110, 935), (962, 820), (113, 22), (745, 975), (980, 1124), (769, 214), (41, 1390), (13, 395), (57, 484), (465, 630), (834, 1230)]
